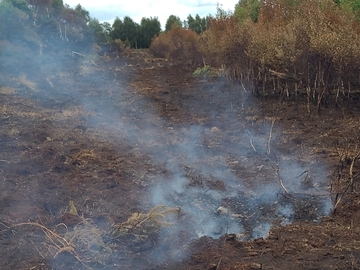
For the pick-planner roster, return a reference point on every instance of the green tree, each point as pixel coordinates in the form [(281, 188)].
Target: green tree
[(116, 29), (13, 21), (107, 27), (172, 21), (22, 5), (130, 31), (149, 27), (197, 24), (84, 14), (57, 7), (247, 9), (97, 32)]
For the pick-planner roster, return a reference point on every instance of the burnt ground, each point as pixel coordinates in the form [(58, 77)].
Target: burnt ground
[(131, 162)]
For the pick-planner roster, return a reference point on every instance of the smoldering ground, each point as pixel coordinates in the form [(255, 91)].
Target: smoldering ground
[(217, 168), (225, 179)]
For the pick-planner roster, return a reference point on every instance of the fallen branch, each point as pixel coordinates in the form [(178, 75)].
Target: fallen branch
[(342, 195), (251, 143), (218, 265), (270, 134), (76, 53)]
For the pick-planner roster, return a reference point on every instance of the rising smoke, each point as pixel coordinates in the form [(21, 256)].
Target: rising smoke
[(220, 175)]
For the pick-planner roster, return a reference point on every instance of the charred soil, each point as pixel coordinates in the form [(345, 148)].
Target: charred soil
[(103, 161)]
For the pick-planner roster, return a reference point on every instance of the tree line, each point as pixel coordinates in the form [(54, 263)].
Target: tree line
[(140, 35), (53, 20)]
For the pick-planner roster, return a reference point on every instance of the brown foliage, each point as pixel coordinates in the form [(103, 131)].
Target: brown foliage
[(179, 45), (297, 49), (309, 48)]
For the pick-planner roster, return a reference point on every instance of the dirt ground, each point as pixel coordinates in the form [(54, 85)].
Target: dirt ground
[(131, 162)]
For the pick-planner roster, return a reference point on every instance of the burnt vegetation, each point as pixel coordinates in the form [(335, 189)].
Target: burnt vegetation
[(299, 50)]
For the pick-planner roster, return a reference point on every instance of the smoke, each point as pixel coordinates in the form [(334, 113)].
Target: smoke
[(219, 173), (222, 177)]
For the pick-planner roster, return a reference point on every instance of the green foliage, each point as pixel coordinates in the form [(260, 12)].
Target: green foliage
[(202, 71), (247, 9), (97, 31), (106, 27), (138, 36), (129, 31), (352, 6), (126, 30), (82, 12), (21, 5), (13, 21), (57, 7), (172, 21), (116, 29), (197, 24), (149, 27)]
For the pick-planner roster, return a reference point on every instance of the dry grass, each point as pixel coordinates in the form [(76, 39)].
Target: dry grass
[(82, 157), (26, 82), (5, 90), (85, 242), (25, 111), (141, 225), (85, 154), (87, 70), (72, 112)]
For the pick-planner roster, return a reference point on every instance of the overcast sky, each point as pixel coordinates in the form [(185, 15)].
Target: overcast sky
[(107, 10)]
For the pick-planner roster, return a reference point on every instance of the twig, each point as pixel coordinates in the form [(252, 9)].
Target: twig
[(7, 227), (351, 174), (280, 181), (48, 231), (77, 53), (67, 246), (282, 185), (270, 133), (342, 195), (251, 142), (301, 174), (218, 265)]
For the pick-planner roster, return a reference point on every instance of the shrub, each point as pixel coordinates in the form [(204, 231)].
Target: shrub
[(179, 45)]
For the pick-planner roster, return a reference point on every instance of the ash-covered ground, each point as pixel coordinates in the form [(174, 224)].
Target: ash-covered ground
[(130, 162)]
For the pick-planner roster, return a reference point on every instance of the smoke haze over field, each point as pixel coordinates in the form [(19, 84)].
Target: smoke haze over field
[(219, 175), (216, 169)]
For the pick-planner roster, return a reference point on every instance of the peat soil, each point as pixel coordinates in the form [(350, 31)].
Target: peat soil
[(131, 162)]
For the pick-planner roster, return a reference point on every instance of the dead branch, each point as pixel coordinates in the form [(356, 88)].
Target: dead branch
[(342, 195), (76, 53), (351, 173), (270, 134), (251, 143), (277, 170), (218, 265)]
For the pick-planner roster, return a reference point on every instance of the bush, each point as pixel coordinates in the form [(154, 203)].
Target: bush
[(202, 71), (179, 45), (303, 47)]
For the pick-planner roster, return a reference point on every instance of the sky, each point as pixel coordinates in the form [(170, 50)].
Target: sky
[(108, 10)]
